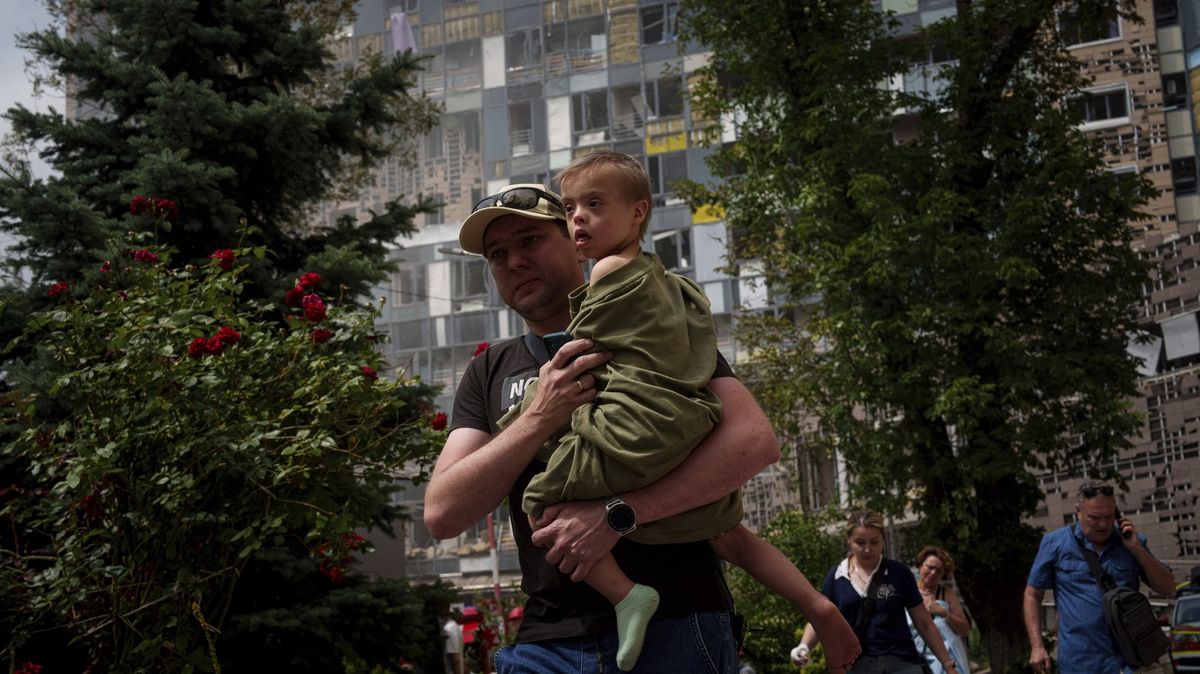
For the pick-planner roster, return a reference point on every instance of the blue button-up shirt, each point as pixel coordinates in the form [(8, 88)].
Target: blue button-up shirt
[(1085, 646)]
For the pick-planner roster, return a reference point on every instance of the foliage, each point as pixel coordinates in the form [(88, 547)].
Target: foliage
[(966, 292), (774, 626), (184, 433), (236, 111), (289, 617)]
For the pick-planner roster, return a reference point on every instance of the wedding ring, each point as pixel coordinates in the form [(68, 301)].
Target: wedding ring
[(579, 385)]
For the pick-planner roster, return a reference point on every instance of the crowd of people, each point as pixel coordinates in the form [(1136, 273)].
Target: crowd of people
[(622, 452)]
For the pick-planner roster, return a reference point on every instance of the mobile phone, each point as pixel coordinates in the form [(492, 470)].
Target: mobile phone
[(554, 341), (1117, 515)]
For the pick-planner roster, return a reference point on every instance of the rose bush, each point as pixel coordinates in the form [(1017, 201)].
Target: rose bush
[(184, 432)]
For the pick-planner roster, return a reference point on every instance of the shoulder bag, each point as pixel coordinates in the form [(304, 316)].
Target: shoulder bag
[(1130, 617)]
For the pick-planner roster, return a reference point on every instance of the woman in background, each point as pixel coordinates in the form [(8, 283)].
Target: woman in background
[(879, 621), (935, 567)]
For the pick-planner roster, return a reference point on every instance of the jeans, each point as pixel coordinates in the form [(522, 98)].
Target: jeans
[(696, 644)]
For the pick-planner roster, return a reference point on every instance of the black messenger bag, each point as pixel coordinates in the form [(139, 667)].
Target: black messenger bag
[(1130, 617)]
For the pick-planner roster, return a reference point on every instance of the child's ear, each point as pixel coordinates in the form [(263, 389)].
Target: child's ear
[(639, 210)]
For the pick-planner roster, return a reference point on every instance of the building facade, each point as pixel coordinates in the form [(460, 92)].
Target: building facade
[(528, 85)]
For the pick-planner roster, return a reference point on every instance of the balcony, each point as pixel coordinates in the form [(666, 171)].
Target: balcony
[(467, 79), (520, 142)]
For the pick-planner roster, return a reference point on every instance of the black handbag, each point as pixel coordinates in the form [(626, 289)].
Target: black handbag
[(1130, 617)]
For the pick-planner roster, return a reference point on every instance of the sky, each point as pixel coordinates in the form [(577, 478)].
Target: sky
[(19, 16)]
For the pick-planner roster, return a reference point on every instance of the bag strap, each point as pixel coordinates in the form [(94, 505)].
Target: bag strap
[(1106, 582), (868, 605), (537, 348)]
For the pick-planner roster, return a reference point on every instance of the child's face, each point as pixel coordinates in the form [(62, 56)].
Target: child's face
[(602, 220)]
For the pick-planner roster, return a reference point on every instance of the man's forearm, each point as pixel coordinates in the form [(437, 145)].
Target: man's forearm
[(741, 445), (471, 480), (1158, 576), (1033, 616)]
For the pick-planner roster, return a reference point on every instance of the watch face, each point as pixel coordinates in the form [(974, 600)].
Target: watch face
[(620, 517)]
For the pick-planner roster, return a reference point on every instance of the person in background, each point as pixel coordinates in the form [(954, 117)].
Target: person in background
[(935, 574), (879, 620), (452, 652), (1085, 644)]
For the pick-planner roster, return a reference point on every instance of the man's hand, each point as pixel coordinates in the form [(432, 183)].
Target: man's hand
[(1039, 659), (577, 536), (564, 384), (1129, 534)]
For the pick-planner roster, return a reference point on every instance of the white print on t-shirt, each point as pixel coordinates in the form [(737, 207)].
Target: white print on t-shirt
[(513, 389)]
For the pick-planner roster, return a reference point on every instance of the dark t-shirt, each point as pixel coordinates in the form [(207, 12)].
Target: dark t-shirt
[(887, 630), (687, 576)]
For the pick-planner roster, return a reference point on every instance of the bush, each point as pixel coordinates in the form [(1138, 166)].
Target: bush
[(180, 431)]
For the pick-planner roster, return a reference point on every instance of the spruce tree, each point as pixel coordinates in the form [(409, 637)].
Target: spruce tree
[(235, 111)]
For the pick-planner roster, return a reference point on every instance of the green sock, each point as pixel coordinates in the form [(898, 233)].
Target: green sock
[(633, 615)]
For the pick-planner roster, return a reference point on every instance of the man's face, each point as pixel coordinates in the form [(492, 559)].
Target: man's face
[(1096, 517), (534, 264)]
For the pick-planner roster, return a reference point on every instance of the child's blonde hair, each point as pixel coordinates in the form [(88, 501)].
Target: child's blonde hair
[(627, 171)]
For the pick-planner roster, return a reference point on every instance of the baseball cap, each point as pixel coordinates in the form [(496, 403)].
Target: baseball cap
[(529, 200)]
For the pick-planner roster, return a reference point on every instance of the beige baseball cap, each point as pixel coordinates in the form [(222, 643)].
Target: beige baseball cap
[(529, 200)]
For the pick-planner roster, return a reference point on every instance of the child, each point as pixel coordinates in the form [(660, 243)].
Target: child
[(653, 406)]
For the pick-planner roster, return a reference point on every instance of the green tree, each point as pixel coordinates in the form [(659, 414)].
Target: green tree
[(773, 625), (186, 443), (962, 298), (236, 111)]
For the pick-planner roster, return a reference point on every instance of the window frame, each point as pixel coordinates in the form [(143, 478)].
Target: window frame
[(1117, 22), (1104, 122), (668, 24)]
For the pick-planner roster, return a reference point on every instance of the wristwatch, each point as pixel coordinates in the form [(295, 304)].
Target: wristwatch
[(620, 516)]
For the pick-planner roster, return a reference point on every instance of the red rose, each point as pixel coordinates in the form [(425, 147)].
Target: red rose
[(198, 347), (308, 280), (334, 573), (90, 505), (370, 372), (214, 345), (292, 298), (225, 256), (314, 308), (229, 336), (480, 348), (144, 255), (57, 289), (28, 667), (106, 267), (320, 336), (139, 205), (439, 421), (166, 209)]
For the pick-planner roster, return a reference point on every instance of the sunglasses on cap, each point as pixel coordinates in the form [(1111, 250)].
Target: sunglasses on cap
[(1091, 490), (520, 198)]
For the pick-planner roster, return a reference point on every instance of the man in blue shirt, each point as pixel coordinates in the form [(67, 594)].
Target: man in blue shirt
[(1085, 645)]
